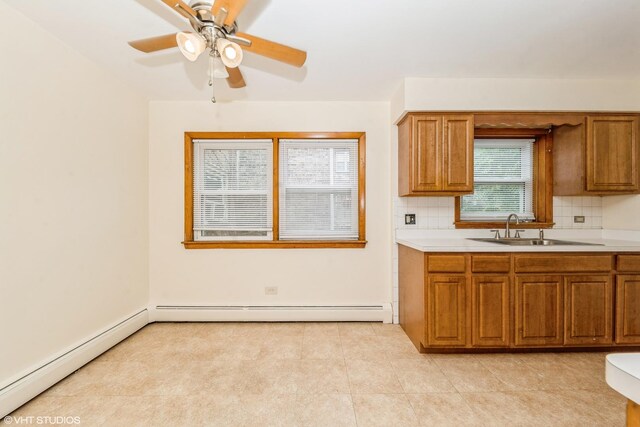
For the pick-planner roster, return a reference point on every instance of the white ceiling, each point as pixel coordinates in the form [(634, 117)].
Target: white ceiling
[(360, 49)]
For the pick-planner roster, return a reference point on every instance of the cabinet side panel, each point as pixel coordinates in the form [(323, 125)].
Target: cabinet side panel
[(411, 289), (404, 160)]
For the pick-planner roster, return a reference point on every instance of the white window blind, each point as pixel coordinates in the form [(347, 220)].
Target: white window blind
[(318, 189), (232, 189), (503, 181)]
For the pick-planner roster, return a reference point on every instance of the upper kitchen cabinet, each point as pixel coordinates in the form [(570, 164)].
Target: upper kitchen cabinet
[(599, 157), (435, 154), (612, 153)]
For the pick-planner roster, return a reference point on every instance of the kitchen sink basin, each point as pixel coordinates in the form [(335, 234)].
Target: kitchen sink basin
[(533, 242)]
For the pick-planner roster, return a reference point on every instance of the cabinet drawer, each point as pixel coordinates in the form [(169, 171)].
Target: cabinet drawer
[(558, 263), (490, 263), (446, 263), (628, 263)]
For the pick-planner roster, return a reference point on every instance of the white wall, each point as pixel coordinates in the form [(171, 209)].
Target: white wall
[(232, 276), (518, 94), (73, 197), (621, 212)]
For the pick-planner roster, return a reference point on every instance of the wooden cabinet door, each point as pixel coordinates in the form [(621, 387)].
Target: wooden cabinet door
[(612, 154), (458, 153), (446, 311), (538, 306), (628, 309), (426, 154), (588, 310), (490, 311)]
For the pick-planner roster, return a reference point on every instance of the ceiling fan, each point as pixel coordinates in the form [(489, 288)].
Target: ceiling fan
[(215, 29)]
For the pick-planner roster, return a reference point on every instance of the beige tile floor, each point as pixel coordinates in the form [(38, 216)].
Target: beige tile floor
[(324, 374)]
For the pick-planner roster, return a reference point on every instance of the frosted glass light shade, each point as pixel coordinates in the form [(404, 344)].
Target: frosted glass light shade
[(219, 70), (191, 45), (230, 52)]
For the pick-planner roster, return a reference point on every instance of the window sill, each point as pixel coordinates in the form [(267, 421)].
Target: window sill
[(280, 244), (500, 225)]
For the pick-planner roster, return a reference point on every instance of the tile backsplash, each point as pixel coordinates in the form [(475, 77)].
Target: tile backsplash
[(565, 208), (438, 212)]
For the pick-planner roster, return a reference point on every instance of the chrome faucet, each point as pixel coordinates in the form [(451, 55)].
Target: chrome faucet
[(507, 231)]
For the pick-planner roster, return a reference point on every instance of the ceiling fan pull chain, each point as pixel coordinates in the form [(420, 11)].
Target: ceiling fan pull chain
[(211, 78), (210, 70)]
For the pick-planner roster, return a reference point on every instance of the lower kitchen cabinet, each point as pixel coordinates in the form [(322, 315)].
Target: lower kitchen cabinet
[(538, 310), (628, 309), (588, 312), (446, 313), (471, 301), (490, 311)]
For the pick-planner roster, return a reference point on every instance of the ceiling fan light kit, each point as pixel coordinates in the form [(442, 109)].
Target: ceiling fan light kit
[(217, 70), (191, 45), (230, 52), (215, 28)]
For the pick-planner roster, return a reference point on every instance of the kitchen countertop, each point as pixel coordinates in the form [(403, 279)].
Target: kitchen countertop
[(465, 245)]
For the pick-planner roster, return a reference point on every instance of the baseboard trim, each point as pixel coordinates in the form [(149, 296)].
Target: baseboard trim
[(291, 313), (46, 374)]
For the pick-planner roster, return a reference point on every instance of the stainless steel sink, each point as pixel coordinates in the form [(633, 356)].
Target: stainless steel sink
[(533, 242)]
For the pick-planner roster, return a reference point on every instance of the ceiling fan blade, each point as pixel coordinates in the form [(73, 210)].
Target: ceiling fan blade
[(182, 8), (233, 8), (155, 43), (235, 79), (274, 50)]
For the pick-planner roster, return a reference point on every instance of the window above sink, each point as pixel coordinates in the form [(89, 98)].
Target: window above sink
[(512, 174), (503, 181)]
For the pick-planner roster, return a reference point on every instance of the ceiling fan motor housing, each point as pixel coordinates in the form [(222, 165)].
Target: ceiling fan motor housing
[(203, 9)]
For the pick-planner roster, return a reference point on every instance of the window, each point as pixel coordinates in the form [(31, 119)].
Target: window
[(318, 189), (503, 181), (245, 190), (232, 190), (512, 174)]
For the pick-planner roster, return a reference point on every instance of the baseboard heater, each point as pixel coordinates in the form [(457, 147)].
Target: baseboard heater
[(285, 313), (44, 374)]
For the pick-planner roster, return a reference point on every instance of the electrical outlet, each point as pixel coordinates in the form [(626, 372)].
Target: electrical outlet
[(410, 219), (578, 219), (271, 290)]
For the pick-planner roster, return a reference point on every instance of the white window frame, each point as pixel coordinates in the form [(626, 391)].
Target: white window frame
[(331, 144), (527, 177), (200, 145)]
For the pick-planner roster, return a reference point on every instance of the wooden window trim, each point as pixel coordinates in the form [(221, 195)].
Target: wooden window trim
[(189, 241), (542, 181)]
